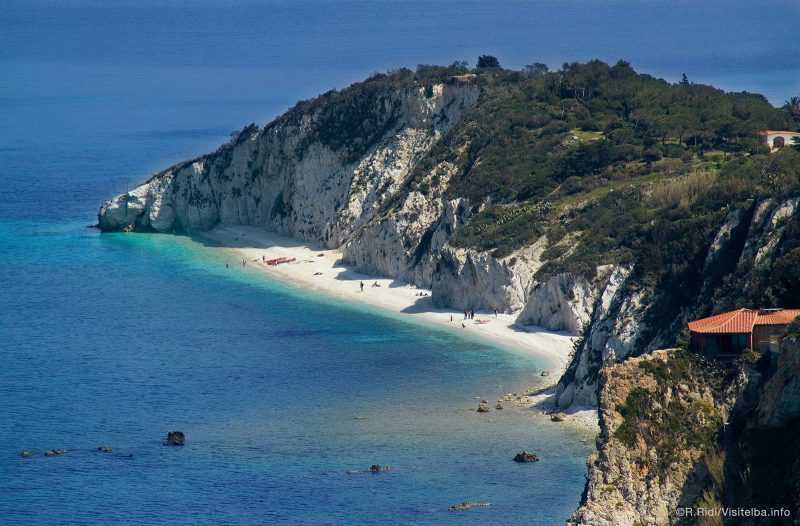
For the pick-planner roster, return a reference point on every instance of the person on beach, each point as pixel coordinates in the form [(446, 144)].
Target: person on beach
[(451, 318), (495, 313), (362, 286)]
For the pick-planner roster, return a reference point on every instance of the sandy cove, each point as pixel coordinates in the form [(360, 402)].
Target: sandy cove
[(322, 270)]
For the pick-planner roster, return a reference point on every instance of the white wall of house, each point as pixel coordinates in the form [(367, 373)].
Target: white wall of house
[(775, 140)]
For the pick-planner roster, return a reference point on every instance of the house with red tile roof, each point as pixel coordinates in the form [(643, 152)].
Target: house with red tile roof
[(734, 331)]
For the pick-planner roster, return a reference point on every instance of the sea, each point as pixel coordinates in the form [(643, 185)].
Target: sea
[(286, 397)]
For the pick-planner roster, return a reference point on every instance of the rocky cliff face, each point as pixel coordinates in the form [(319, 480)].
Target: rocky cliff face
[(378, 171), (291, 176), (630, 317), (678, 432), (659, 415), (355, 170), (294, 178)]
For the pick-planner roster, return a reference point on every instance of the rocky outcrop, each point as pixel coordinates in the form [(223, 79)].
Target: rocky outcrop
[(660, 418), (363, 170), (566, 301), (292, 176), (468, 279), (346, 170), (467, 505), (609, 334), (524, 457), (780, 403), (630, 317), (762, 468), (679, 432), (175, 438)]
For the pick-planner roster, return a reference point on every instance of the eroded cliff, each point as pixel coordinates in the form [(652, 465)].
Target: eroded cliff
[(681, 433), (592, 200)]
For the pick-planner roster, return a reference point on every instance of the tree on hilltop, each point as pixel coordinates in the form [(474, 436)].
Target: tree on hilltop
[(488, 61), (793, 107), (535, 70)]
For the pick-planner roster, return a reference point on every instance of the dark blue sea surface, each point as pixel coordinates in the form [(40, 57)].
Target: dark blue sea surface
[(117, 339)]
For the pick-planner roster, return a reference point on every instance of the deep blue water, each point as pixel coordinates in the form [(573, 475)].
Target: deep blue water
[(117, 339)]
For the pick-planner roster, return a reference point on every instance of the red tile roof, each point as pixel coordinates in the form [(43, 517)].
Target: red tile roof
[(733, 322), (742, 321), (777, 317)]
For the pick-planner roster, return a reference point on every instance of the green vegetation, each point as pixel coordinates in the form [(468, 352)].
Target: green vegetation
[(667, 420), (487, 61), (354, 119), (612, 166), (610, 150), (794, 328)]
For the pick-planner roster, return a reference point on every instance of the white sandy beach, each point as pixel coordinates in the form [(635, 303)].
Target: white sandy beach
[(322, 270)]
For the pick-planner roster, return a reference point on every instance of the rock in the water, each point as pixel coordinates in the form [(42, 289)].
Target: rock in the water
[(377, 468), (54, 452), (104, 449), (25, 453), (467, 505), (499, 406), (175, 438), (545, 373), (483, 406), (557, 417), (524, 456)]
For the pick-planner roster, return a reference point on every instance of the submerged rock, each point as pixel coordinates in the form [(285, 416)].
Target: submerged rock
[(467, 505), (54, 452), (175, 438), (524, 457), (104, 449), (25, 453)]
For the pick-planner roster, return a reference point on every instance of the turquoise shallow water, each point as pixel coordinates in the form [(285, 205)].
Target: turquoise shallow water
[(117, 339)]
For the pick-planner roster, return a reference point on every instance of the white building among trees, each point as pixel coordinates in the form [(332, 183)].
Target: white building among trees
[(775, 139)]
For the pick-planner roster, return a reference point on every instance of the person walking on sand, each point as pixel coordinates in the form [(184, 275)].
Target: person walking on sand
[(451, 318), (362, 286)]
